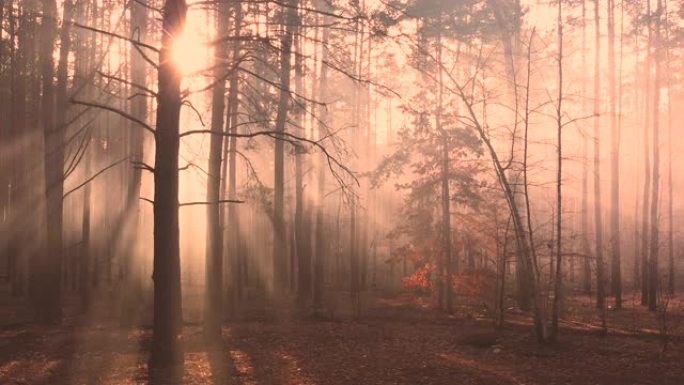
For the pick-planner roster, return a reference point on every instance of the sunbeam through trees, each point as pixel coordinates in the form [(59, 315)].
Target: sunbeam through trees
[(341, 192)]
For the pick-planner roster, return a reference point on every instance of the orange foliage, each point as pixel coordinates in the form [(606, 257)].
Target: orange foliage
[(419, 281)]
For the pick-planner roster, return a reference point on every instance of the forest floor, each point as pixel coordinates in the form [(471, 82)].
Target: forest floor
[(397, 341)]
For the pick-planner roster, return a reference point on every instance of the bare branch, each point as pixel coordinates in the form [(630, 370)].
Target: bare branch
[(290, 138), (210, 203), (95, 176), (147, 200), (116, 111), (192, 107), (112, 34), (143, 166), (128, 82)]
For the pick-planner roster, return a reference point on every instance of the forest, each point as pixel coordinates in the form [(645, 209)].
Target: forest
[(341, 192)]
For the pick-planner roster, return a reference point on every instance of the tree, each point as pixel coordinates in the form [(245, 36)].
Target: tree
[(236, 261), (320, 254), (616, 271), (302, 228), (670, 234), (653, 278), (645, 285), (586, 271), (446, 212), (213, 311), (598, 222), (279, 243), (46, 280), (558, 279), (138, 109), (168, 321)]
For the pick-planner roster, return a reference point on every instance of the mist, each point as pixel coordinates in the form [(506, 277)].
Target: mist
[(327, 192)]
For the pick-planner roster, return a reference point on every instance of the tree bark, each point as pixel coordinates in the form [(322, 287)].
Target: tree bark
[(213, 305), (616, 271), (235, 261), (647, 166), (444, 275), (46, 279), (167, 325), (598, 222), (670, 203), (320, 252), (302, 230), (558, 280), (654, 279), (132, 274), (279, 236)]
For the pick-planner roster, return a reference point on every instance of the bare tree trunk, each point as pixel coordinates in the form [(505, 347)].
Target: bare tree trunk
[(18, 126), (637, 247), (320, 255), (520, 270), (616, 271), (598, 223), (653, 279), (522, 241), (62, 104), (670, 216), (167, 326), (132, 274), (235, 258), (279, 243), (509, 29), (301, 221), (444, 277), (213, 305), (501, 271), (46, 279), (558, 281), (586, 276), (647, 166), (354, 268), (84, 273)]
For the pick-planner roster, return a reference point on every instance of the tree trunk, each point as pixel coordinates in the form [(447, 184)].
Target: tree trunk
[(46, 279), (444, 280), (62, 104), (670, 210), (279, 237), (616, 271), (234, 257), (132, 274), (301, 221), (522, 241), (167, 326), (84, 273), (213, 305), (653, 279), (320, 252), (598, 223), (19, 94), (586, 270), (647, 166), (558, 280)]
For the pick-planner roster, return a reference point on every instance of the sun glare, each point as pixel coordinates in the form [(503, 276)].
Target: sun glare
[(190, 53)]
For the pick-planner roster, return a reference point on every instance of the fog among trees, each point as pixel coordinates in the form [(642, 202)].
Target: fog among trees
[(341, 192)]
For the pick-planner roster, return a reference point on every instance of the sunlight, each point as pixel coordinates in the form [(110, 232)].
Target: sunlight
[(190, 53), (243, 365)]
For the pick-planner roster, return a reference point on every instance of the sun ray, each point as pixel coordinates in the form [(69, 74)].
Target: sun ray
[(190, 53)]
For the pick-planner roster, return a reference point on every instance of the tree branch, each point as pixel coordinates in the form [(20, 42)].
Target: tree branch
[(116, 111), (95, 176), (210, 203)]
